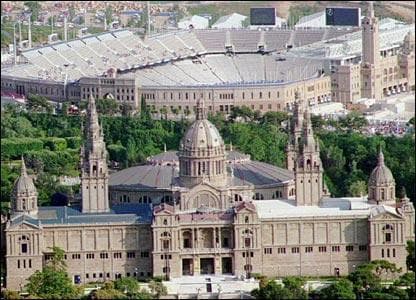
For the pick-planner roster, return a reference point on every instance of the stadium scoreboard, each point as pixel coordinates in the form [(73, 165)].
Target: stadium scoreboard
[(265, 16), (343, 16)]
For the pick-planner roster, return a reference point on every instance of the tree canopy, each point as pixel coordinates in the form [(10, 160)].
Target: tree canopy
[(53, 281)]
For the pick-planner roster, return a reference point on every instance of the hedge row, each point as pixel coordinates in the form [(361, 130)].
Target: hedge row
[(73, 142), (117, 152), (53, 161), (54, 143), (14, 148)]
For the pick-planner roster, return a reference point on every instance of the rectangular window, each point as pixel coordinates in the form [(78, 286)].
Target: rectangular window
[(382, 253), (362, 248), (90, 255), (281, 250), (295, 250), (394, 254), (308, 249), (247, 242), (349, 248), (103, 255), (144, 254), (117, 255), (335, 249), (76, 256), (24, 248), (322, 249), (87, 275), (18, 263), (267, 250), (131, 254), (30, 261)]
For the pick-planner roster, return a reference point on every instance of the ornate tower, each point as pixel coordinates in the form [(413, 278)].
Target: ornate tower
[(370, 62), (308, 167), (94, 173), (202, 152), (381, 185), (25, 195), (295, 133)]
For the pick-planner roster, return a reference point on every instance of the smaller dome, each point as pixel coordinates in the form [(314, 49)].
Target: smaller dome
[(24, 184), (381, 175)]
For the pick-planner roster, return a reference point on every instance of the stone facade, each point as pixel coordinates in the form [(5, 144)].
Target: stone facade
[(221, 226)]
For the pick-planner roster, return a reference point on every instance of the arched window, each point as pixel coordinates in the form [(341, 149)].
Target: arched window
[(24, 241), (258, 196), (388, 230), (166, 199), (145, 199), (237, 198)]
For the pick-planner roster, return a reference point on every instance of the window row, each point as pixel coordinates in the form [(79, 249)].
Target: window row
[(321, 249), (386, 252), (103, 255), (21, 263)]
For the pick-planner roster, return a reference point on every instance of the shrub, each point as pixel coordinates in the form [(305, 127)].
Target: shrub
[(117, 152), (73, 142), (14, 148), (54, 143)]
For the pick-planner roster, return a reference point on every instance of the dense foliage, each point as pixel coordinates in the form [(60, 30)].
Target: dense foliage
[(53, 281), (51, 144)]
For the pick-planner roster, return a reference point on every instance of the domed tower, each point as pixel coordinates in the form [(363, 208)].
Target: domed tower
[(381, 185), (25, 195), (202, 152)]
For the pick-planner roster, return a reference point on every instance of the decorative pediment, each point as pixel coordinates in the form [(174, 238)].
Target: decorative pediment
[(164, 208), (245, 207), (23, 225), (383, 212)]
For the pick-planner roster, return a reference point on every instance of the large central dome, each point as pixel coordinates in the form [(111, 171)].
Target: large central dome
[(202, 152), (201, 135)]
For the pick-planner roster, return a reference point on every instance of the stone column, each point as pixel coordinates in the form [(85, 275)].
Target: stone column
[(213, 237), (219, 238)]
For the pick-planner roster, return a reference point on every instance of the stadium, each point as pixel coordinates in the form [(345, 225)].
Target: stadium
[(258, 68)]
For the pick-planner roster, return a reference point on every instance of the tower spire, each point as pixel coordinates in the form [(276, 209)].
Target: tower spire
[(380, 156), (23, 171)]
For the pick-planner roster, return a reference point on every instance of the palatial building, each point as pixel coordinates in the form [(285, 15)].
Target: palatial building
[(206, 210)]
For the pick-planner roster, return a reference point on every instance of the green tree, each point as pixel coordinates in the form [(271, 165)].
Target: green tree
[(410, 259), (107, 106), (243, 112), (158, 288), (340, 289), (295, 287), (358, 188), (132, 152), (127, 285), (109, 14), (37, 103), (53, 281), (34, 8), (271, 291), (353, 121), (274, 117), (144, 110)]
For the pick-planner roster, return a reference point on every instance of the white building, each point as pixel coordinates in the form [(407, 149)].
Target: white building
[(230, 21), (195, 22)]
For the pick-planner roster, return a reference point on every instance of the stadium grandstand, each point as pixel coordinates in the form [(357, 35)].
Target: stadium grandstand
[(225, 66)]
